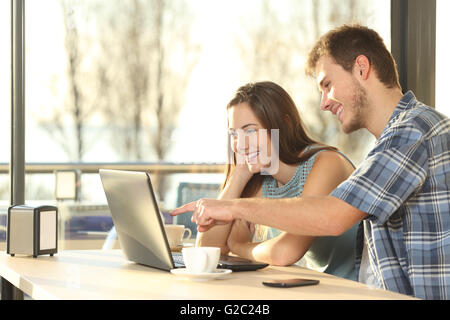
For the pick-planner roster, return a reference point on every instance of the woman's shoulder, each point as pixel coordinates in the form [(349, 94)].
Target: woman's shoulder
[(326, 156), (329, 169), (332, 159)]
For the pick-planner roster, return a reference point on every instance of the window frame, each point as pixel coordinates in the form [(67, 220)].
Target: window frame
[(413, 45)]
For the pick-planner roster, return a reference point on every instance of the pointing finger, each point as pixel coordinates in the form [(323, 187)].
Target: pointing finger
[(186, 208)]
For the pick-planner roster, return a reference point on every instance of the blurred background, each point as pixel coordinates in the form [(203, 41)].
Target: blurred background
[(143, 85)]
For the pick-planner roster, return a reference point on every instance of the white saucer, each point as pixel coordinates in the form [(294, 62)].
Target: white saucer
[(200, 276)]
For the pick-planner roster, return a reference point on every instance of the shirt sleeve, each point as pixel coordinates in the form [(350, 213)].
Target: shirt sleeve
[(387, 177)]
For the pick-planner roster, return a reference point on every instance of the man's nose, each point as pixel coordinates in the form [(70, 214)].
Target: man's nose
[(325, 102)]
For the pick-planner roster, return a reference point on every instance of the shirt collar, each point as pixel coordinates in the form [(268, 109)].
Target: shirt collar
[(407, 101)]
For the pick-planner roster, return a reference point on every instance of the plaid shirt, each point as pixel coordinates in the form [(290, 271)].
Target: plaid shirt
[(403, 185)]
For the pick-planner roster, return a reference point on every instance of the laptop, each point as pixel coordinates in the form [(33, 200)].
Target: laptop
[(140, 227)]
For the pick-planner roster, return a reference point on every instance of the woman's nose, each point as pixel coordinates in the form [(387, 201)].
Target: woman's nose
[(240, 143)]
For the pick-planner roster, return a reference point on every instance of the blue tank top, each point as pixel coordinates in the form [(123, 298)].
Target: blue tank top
[(333, 255)]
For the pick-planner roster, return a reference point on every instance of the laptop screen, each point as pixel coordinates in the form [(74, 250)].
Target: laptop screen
[(135, 214)]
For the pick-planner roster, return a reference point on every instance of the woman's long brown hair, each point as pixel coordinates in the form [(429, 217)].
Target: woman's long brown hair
[(275, 109)]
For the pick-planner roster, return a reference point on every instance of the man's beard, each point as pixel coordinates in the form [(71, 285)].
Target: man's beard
[(358, 109)]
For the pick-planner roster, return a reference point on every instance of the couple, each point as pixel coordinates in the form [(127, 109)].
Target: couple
[(392, 212)]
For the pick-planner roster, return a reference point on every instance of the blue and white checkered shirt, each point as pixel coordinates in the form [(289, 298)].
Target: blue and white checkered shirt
[(403, 185)]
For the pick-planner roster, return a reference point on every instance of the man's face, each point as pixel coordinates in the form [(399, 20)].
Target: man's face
[(342, 94)]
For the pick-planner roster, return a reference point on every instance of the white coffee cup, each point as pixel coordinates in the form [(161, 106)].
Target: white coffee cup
[(201, 259), (176, 234)]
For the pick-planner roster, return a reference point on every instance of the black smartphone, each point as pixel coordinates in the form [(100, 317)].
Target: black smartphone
[(288, 283)]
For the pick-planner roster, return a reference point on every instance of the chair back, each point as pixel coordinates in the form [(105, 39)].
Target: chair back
[(188, 192)]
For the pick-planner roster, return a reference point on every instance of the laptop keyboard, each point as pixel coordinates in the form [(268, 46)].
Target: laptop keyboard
[(178, 259), (225, 262)]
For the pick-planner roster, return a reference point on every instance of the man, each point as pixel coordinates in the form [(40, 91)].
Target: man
[(401, 190)]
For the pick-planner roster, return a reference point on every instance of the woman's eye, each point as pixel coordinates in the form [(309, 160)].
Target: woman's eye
[(250, 131)]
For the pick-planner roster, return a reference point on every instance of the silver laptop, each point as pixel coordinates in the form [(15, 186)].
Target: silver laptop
[(140, 227)]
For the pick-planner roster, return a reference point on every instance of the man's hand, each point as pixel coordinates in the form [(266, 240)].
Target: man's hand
[(207, 212)]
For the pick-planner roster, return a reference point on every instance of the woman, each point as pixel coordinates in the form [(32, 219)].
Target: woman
[(273, 157)]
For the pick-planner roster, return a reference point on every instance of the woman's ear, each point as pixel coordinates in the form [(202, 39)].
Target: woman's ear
[(287, 120)]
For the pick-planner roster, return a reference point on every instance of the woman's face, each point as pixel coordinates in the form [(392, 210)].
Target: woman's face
[(249, 140)]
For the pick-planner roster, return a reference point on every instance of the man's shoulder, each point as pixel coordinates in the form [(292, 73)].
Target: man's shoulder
[(418, 122)]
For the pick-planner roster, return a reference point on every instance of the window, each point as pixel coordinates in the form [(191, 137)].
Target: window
[(148, 81), (442, 48)]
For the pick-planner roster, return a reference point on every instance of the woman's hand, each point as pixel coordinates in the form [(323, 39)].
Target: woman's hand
[(241, 171)]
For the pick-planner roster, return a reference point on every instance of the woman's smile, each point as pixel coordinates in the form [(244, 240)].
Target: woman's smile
[(252, 157)]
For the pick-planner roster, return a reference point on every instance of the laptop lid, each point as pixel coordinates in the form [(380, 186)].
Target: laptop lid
[(136, 216)]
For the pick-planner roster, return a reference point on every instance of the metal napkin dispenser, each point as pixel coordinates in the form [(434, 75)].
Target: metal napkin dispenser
[(32, 230)]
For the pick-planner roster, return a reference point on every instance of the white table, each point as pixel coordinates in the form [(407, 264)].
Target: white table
[(106, 274)]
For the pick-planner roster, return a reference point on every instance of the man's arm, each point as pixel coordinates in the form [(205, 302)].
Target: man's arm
[(315, 216)]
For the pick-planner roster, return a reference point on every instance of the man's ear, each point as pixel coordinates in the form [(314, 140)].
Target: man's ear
[(362, 67)]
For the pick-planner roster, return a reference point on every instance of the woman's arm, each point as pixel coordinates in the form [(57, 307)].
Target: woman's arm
[(217, 237), (328, 171), (282, 250)]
